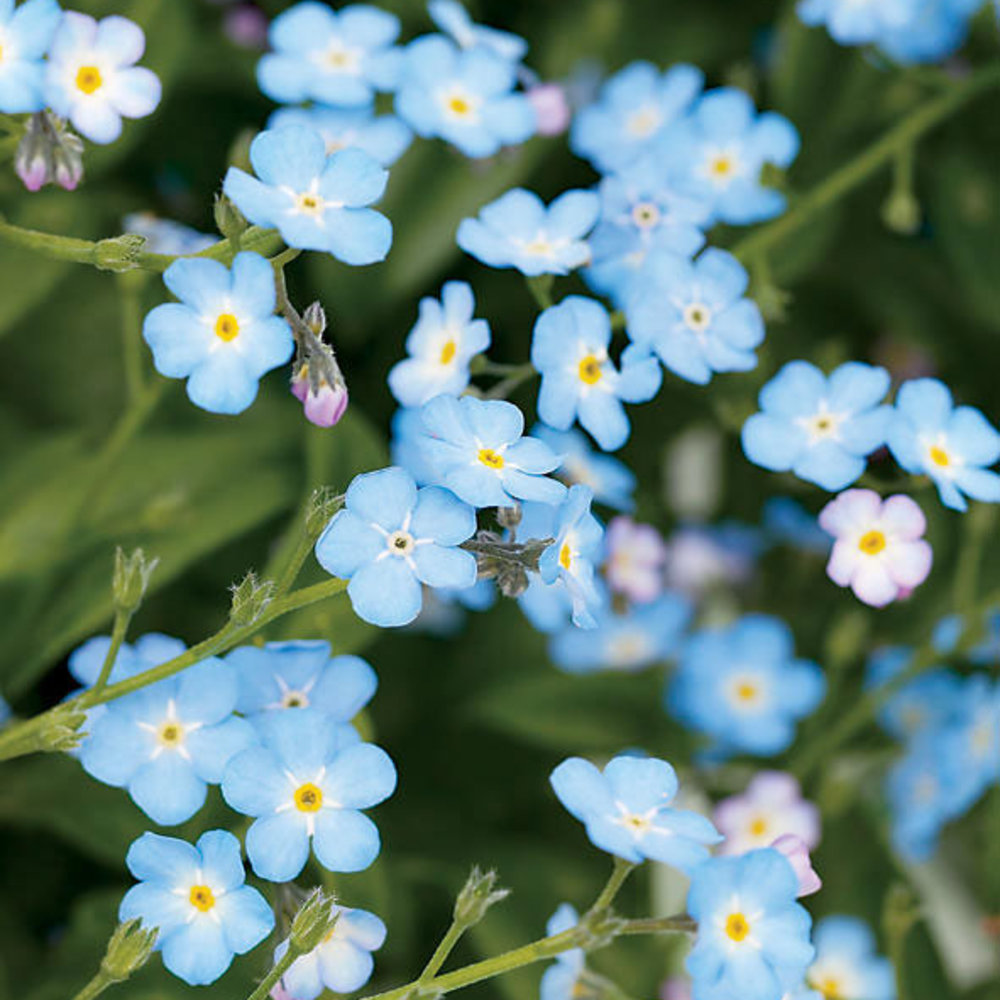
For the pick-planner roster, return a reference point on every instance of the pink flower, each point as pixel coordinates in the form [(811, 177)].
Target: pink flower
[(879, 551), (324, 404), (636, 555), (795, 849), (551, 108), (771, 807)]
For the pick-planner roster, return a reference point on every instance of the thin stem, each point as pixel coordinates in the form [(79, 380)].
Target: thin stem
[(122, 618), (95, 987), (519, 374), (443, 950), (660, 925), (271, 980), (619, 873), (130, 288)]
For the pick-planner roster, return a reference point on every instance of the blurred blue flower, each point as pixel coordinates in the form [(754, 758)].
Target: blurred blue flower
[(27, 32), (165, 235), (390, 537), (847, 965), (851, 22), (518, 230), (612, 481), (559, 981), (787, 522), (383, 137), (928, 700), (453, 19), (976, 732)]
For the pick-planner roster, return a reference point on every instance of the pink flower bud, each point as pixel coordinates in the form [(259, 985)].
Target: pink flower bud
[(33, 173), (246, 26), (325, 407), (551, 108), (300, 384), (794, 848)]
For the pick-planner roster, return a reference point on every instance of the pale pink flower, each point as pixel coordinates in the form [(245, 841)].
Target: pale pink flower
[(551, 108), (771, 807), (797, 853), (636, 556)]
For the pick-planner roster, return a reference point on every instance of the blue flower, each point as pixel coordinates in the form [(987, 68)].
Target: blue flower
[(976, 734), (846, 963), (634, 107), (390, 537), (316, 202), (167, 742), (407, 429), (517, 230), (477, 450), (742, 685), (693, 314), (332, 57), (464, 96), (718, 151), (928, 700), (627, 812), (165, 235), (953, 445), (383, 137), (612, 481), (820, 427), (560, 979), (25, 34), (579, 382), (787, 522), (196, 899), (852, 23), (547, 606), (92, 79), (753, 938), (453, 19), (300, 674), (223, 335), (624, 642), (441, 345), (342, 963), (308, 782)]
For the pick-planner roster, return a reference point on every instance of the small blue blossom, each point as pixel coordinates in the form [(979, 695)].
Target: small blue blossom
[(223, 335), (441, 345), (976, 733), (634, 107), (165, 235), (342, 963), (787, 522), (25, 35), (753, 938), (847, 965), (718, 151), (390, 537), (855, 22), (477, 450), (316, 202), (407, 433), (547, 606), (91, 77), (626, 809), (518, 230), (693, 314), (308, 782), (954, 445), (559, 981), (928, 700), (301, 674), (612, 481), (742, 686), (196, 899), (579, 382), (331, 57), (464, 96), (453, 19), (820, 427), (383, 137)]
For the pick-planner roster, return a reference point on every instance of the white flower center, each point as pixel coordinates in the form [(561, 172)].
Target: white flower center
[(400, 543), (697, 317)]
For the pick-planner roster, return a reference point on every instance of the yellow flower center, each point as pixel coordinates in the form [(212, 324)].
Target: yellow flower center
[(737, 927), (227, 327), (721, 167), (448, 352), (590, 370), (202, 898), (400, 543), (88, 79), (745, 691), (566, 556), (171, 734), (872, 543), (758, 827), (829, 987), (308, 798), (940, 457), (338, 59), (294, 699), (311, 204), (637, 823), (459, 106), (490, 458), (643, 122)]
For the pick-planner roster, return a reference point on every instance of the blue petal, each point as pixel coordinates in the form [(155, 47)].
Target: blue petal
[(167, 789), (197, 952), (348, 542), (345, 840), (156, 906), (581, 788), (213, 747), (344, 687), (641, 783), (358, 236), (254, 782), (385, 593), (246, 919), (360, 776), (442, 517), (290, 157), (278, 846), (829, 465), (437, 566), (384, 497), (165, 860)]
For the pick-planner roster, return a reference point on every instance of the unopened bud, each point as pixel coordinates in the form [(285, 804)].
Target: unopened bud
[(901, 213), (551, 108), (314, 317), (314, 920), (797, 852), (229, 220), (119, 253), (131, 578), (477, 896), (61, 730), (509, 517), (324, 401), (49, 153), (323, 504), (250, 597), (128, 950)]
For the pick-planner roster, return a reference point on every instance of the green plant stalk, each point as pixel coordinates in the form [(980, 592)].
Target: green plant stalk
[(122, 618), (442, 951), (95, 987), (268, 983), (130, 288), (619, 873)]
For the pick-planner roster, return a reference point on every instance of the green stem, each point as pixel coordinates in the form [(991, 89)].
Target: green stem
[(122, 618), (130, 288), (442, 951), (271, 980), (95, 987), (619, 873), (519, 374)]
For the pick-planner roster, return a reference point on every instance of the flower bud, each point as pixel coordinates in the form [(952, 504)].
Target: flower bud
[(314, 317), (250, 597), (229, 220), (128, 950), (551, 108), (797, 853), (477, 896), (323, 504), (49, 152), (60, 731), (312, 923), (324, 401), (131, 578)]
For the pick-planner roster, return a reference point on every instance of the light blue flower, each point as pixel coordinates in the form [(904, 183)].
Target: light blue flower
[(223, 335), (954, 445), (719, 150), (167, 742), (976, 734), (742, 686), (25, 35), (626, 809), (787, 522), (934, 30), (518, 230), (407, 433), (574, 553), (390, 537), (547, 606), (342, 963), (559, 981), (316, 202), (753, 938), (301, 674), (626, 642), (634, 107), (91, 77), (847, 965), (453, 19), (569, 348), (820, 427), (928, 700), (165, 235), (477, 450), (856, 22), (197, 900), (443, 341), (331, 57), (464, 96), (383, 137), (693, 314), (308, 782), (612, 481)]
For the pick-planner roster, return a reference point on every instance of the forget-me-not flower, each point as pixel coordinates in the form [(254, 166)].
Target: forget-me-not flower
[(847, 965), (307, 782), (560, 979), (196, 899), (547, 606), (223, 335), (25, 35), (931, 699), (612, 482), (390, 537), (518, 230), (627, 810), (855, 22), (316, 202), (771, 807), (822, 428), (579, 382), (453, 19), (635, 555), (383, 137), (954, 445)]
